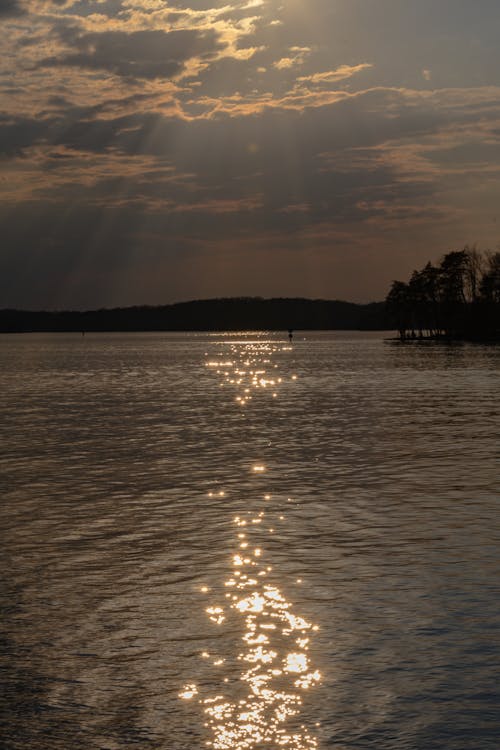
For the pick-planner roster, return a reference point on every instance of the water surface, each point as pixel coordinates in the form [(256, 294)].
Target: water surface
[(226, 539)]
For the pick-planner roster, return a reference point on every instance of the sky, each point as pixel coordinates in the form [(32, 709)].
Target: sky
[(153, 152)]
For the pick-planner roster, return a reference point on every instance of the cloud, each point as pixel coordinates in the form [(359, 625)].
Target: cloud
[(11, 8), (296, 56), (146, 54), (148, 140), (332, 76), (19, 133)]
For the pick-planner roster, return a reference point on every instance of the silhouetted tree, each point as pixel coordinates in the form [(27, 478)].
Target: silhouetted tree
[(459, 298), (399, 306), (490, 282), (424, 300), (452, 276), (430, 280), (490, 296), (473, 273)]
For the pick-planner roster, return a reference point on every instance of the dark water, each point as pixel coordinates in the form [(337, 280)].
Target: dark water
[(223, 541)]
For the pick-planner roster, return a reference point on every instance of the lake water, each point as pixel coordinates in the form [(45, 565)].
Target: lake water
[(225, 541)]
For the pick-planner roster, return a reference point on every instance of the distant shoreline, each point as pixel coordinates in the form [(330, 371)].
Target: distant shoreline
[(214, 315)]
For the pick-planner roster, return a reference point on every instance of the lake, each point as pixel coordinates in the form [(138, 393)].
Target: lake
[(228, 541)]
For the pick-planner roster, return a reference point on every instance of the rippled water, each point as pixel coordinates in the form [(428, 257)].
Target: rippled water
[(227, 541)]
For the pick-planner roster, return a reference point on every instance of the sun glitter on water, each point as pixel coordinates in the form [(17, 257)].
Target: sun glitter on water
[(275, 667), (261, 685)]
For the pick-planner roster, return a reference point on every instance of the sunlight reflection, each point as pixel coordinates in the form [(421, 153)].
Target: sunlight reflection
[(250, 368), (274, 663), (259, 468), (263, 681), (189, 692)]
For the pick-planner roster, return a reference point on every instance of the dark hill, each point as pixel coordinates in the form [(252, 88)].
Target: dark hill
[(229, 314)]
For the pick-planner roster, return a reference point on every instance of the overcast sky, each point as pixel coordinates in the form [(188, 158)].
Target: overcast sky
[(161, 151)]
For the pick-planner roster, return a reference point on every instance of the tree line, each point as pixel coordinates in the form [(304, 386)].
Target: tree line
[(457, 299), (228, 314)]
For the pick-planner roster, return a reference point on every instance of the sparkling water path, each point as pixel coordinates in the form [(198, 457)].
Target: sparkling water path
[(256, 708)]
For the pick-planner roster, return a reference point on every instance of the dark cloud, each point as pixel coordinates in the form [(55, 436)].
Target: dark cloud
[(10, 8), (272, 176), (19, 133), (202, 4), (466, 155), (139, 54), (231, 146)]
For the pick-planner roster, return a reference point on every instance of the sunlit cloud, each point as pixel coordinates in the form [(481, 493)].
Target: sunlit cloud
[(296, 57), (332, 76)]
